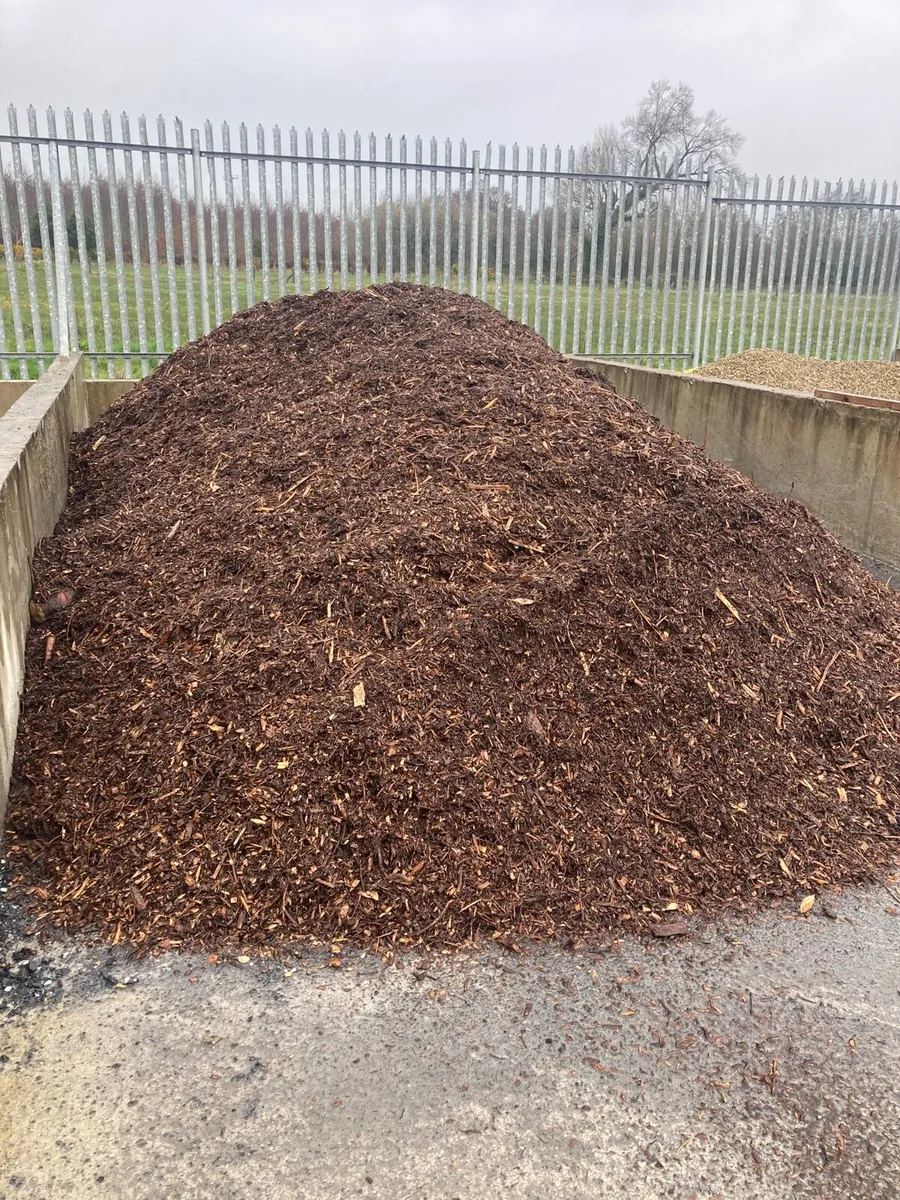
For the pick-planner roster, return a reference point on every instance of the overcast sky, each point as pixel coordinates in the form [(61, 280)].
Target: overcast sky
[(814, 85)]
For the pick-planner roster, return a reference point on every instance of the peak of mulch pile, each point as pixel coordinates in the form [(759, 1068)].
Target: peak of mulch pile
[(392, 627)]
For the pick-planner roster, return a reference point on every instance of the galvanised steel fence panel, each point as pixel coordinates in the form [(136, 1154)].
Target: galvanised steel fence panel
[(889, 341), (281, 258), (486, 223), (554, 245), (40, 203), (230, 218), (214, 232), (25, 232), (12, 282), (447, 267), (539, 261), (342, 194), (498, 231), (152, 239), (126, 246)]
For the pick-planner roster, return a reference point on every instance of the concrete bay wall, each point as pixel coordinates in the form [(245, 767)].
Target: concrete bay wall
[(35, 431), (10, 391), (841, 460), (101, 393)]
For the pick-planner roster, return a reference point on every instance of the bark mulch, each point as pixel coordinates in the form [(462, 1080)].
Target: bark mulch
[(390, 627)]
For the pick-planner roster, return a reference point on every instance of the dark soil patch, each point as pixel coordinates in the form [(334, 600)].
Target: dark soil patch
[(27, 977), (391, 627)]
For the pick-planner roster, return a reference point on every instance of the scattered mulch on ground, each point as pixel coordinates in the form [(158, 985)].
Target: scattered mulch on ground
[(773, 368), (391, 627)]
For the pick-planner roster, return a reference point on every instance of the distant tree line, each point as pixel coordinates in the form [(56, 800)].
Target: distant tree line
[(660, 227)]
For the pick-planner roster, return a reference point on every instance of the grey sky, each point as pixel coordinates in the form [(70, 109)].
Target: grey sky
[(813, 84)]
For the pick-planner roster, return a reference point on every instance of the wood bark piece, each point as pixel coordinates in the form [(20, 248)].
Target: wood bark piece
[(41, 608)]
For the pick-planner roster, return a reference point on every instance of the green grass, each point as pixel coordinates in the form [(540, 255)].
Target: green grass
[(622, 333)]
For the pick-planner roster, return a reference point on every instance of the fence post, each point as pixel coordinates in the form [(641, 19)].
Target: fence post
[(895, 334), (704, 259), (476, 190), (61, 252), (200, 215)]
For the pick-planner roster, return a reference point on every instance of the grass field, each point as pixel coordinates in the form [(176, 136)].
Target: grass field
[(629, 324)]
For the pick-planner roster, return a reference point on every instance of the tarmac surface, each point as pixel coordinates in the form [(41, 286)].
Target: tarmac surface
[(754, 1059)]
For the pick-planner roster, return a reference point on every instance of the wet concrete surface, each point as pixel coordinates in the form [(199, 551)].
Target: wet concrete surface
[(755, 1059)]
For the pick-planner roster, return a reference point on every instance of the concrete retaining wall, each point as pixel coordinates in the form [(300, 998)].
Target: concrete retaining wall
[(34, 469), (841, 460), (10, 391), (101, 393)]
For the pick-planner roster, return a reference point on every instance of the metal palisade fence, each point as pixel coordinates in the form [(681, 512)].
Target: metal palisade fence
[(128, 246)]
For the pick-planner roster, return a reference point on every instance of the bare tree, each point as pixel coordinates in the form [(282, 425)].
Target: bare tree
[(663, 138), (664, 134), (608, 149)]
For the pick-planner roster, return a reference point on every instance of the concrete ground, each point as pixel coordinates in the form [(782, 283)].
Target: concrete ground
[(757, 1059)]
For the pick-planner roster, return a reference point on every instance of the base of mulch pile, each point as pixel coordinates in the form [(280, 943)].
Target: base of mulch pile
[(390, 627)]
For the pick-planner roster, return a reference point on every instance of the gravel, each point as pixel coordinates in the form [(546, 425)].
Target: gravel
[(773, 368)]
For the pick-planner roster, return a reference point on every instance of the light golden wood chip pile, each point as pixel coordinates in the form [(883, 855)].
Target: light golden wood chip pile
[(773, 368)]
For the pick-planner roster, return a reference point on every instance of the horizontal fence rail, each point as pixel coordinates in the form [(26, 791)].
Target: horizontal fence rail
[(131, 240)]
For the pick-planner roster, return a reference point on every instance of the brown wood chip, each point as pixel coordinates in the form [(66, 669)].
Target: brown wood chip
[(665, 929), (393, 628)]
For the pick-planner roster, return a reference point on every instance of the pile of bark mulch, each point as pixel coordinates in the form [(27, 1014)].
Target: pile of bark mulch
[(391, 627)]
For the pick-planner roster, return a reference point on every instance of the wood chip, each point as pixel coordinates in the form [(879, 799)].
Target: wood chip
[(610, 675), (664, 929), (722, 598), (596, 1065)]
